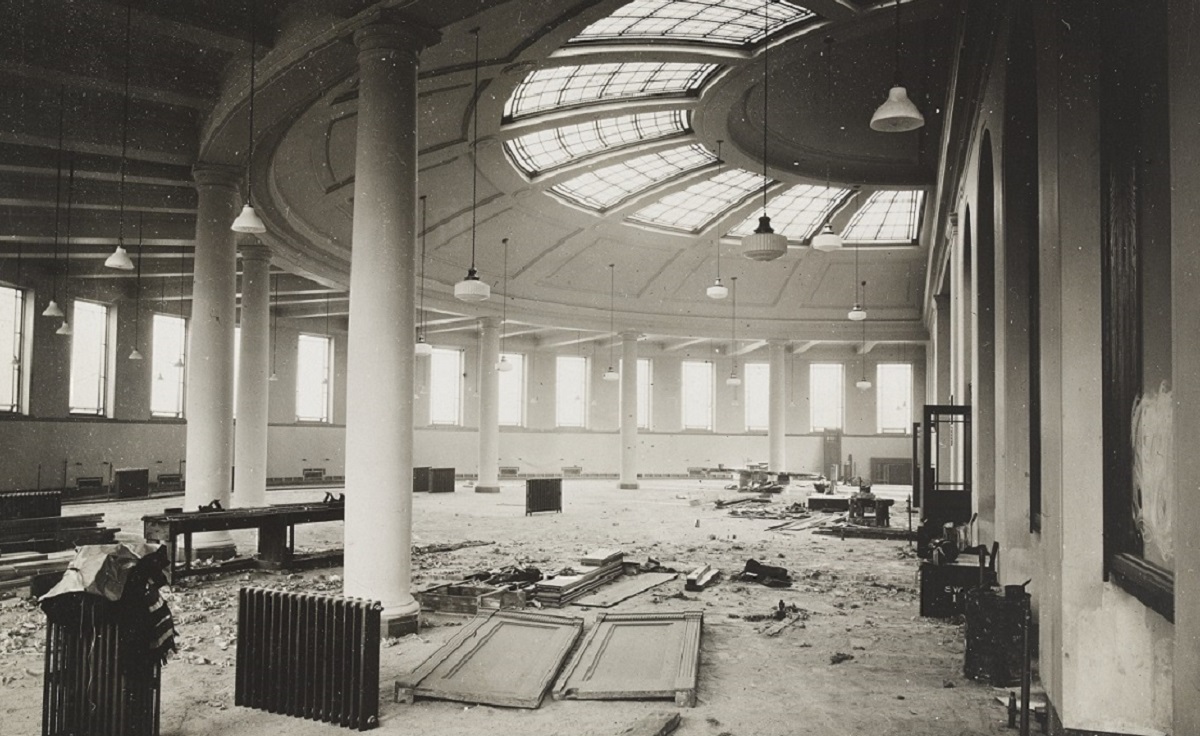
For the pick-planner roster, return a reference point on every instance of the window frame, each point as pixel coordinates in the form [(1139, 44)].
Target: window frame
[(751, 385), (685, 397), (169, 321), (327, 382), (813, 368), (585, 388), (645, 384), (19, 360), (458, 390), (518, 361), (905, 427), (103, 382)]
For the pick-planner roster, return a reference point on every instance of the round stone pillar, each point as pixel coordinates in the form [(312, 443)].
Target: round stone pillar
[(489, 406), (254, 369), (629, 411), (777, 411), (380, 364), (209, 405)]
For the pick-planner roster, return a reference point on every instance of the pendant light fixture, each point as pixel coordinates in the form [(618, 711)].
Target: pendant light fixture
[(503, 365), (274, 325), (421, 347), (897, 114), (734, 379), (764, 244), (862, 384), (471, 289), (120, 258), (718, 290), (52, 309), (858, 313), (136, 354), (249, 221), (65, 327), (179, 362), (827, 239), (611, 374)]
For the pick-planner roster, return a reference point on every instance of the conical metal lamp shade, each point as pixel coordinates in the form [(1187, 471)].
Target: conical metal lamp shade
[(897, 114), (64, 329), (248, 221), (827, 239), (119, 260), (53, 310), (135, 354)]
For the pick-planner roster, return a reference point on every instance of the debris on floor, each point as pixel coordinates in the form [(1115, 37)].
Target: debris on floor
[(655, 724), (839, 657), (726, 503), (701, 578), (768, 575), (448, 547), (574, 582)]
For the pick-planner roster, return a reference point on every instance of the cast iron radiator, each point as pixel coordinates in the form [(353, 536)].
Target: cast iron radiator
[(98, 679), (30, 504), (543, 494), (309, 656)]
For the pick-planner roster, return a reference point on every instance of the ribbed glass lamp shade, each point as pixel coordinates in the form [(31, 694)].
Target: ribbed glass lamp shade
[(733, 380), (897, 114), (421, 347), (471, 289), (764, 244), (827, 239), (611, 374), (135, 354), (64, 329), (856, 313), (862, 384), (119, 259), (717, 290), (53, 310), (503, 365), (248, 221)]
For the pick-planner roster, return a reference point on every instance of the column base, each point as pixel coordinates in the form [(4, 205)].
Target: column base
[(211, 546), (487, 489), (399, 624), (627, 486)]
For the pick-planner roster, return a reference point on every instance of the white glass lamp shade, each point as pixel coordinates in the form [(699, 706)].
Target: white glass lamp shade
[(611, 374), (862, 384), (827, 239), (64, 329), (471, 289), (53, 310), (764, 244), (856, 313), (119, 259), (135, 354), (717, 290), (733, 380), (503, 365), (248, 221), (421, 347), (897, 114), (274, 377)]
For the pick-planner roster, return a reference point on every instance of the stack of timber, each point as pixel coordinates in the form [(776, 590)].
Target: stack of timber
[(594, 570), (53, 533), (18, 570)]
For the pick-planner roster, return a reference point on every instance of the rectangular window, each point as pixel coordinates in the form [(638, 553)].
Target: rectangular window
[(512, 391), (825, 391), (758, 396), (89, 358), (168, 343), (314, 364), (12, 343), (697, 395), (571, 391), (445, 386), (893, 398), (644, 381)]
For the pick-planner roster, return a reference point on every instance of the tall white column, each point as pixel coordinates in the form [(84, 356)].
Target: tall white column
[(489, 406), (209, 405), (777, 411), (629, 411), (380, 365), (254, 368)]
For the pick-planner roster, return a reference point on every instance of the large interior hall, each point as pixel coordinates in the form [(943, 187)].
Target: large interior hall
[(715, 283)]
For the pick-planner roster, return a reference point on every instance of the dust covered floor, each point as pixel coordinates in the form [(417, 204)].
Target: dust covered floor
[(895, 673)]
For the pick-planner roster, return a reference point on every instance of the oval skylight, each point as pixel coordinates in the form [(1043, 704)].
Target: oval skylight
[(798, 212), (566, 86), (607, 186), (889, 216), (692, 209), (540, 151), (731, 22)]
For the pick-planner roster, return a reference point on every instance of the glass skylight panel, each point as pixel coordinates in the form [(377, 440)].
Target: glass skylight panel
[(693, 208), (888, 216), (546, 149), (798, 212), (564, 86), (735, 22), (602, 188)]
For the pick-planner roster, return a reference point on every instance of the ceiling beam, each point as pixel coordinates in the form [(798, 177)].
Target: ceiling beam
[(805, 346), (749, 347), (684, 344), (55, 77), (576, 340)]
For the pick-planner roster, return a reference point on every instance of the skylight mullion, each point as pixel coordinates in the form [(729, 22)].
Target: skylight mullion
[(728, 22), (887, 216)]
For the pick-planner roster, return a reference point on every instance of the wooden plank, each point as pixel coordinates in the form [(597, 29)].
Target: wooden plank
[(624, 588), (601, 557), (636, 656), (506, 658), (655, 724)]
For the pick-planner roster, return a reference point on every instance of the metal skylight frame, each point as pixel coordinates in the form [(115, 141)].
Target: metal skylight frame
[(544, 150), (888, 216), (608, 186), (694, 208), (727, 22), (569, 86), (799, 211)]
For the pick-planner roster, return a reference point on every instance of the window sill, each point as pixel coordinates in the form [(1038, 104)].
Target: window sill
[(1150, 584)]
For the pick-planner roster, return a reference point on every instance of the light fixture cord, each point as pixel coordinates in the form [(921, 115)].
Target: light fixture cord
[(327, 314), (58, 187), (612, 306), (863, 357), (137, 295), (733, 324), (504, 299), (829, 101), (250, 130), (475, 152), (424, 228), (124, 124), (897, 77), (717, 232), (766, 86), (274, 319), (70, 200)]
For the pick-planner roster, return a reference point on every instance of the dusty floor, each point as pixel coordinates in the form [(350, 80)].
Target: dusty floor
[(904, 676)]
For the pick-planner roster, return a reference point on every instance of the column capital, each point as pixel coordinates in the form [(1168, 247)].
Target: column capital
[(217, 175), (254, 251), (392, 32), (778, 342), (630, 335)]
